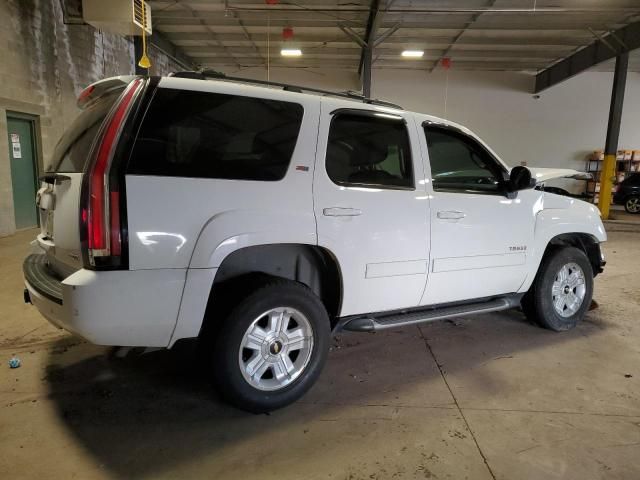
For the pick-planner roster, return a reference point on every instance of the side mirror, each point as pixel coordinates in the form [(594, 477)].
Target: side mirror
[(520, 179)]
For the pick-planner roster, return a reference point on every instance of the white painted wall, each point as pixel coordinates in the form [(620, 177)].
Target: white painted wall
[(560, 128)]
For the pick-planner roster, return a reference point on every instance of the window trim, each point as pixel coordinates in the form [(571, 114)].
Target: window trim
[(389, 117), (459, 132), (368, 113)]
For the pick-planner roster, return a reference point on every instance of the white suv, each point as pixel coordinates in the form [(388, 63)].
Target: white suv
[(260, 219)]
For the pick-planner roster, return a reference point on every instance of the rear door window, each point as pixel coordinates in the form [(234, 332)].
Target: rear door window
[(369, 150), (210, 135)]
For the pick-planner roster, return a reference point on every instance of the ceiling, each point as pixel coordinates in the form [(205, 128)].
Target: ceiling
[(501, 35)]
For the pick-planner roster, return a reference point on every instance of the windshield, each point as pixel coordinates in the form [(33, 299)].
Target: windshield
[(72, 151)]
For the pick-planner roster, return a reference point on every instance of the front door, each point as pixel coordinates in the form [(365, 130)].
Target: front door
[(23, 170), (480, 238), (371, 206)]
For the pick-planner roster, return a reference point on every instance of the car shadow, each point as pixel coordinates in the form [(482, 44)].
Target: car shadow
[(143, 414)]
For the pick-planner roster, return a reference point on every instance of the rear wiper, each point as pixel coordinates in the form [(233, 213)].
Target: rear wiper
[(53, 178)]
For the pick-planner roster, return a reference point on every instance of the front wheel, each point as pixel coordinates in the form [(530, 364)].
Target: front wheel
[(632, 204), (272, 346), (561, 292)]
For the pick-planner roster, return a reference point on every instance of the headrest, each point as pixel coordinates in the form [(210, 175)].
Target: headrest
[(366, 155)]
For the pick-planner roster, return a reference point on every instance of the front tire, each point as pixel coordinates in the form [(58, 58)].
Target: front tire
[(561, 292), (271, 347), (632, 204)]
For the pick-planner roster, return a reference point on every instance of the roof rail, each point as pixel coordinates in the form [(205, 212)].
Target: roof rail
[(213, 74)]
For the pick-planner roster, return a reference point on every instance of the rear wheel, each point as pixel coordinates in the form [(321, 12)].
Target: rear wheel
[(271, 347), (632, 204), (562, 290)]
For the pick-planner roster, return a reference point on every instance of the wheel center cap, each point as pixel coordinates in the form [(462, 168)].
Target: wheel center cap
[(275, 348), (567, 289)]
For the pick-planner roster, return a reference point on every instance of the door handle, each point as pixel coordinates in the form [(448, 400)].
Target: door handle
[(451, 215), (341, 212)]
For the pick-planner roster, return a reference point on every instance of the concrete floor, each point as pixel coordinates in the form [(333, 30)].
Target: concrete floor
[(482, 398)]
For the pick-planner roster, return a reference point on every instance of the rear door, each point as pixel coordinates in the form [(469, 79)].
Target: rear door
[(58, 198), (371, 207)]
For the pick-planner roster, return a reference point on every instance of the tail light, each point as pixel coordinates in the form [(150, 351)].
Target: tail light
[(101, 207)]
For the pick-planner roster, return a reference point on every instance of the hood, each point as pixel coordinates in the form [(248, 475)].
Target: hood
[(543, 174)]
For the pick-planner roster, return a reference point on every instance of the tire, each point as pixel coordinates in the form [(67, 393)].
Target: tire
[(283, 317), (632, 204), (551, 301)]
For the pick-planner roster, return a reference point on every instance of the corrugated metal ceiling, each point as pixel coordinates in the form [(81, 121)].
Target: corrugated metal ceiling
[(503, 35)]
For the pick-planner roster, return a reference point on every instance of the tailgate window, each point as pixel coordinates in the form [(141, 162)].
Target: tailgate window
[(72, 151), (210, 135)]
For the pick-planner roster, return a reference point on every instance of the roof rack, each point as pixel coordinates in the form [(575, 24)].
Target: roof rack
[(213, 74)]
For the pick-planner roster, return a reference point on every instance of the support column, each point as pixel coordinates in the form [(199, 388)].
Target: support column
[(366, 70), (607, 176)]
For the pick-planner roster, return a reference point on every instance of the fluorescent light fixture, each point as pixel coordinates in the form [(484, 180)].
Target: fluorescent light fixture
[(413, 53), (291, 52)]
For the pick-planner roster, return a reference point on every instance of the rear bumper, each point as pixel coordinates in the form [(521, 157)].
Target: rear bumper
[(123, 307), (41, 279)]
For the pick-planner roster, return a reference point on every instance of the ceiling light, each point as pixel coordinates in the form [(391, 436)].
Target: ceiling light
[(413, 53), (291, 52)]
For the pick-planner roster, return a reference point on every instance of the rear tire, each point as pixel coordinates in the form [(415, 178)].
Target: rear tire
[(561, 292), (632, 204), (271, 347)]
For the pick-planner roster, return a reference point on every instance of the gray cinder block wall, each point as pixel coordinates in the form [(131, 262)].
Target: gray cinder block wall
[(44, 65)]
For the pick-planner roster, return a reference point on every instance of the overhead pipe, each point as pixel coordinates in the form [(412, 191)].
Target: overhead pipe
[(284, 7)]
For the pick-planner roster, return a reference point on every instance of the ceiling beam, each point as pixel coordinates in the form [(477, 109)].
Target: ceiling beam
[(384, 36), (333, 8), (605, 48), (462, 32), (353, 35), (196, 16), (401, 37)]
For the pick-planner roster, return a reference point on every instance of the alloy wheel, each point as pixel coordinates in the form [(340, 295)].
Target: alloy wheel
[(633, 205), (276, 348), (568, 290)]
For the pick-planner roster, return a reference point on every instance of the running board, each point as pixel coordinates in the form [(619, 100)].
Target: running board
[(371, 323)]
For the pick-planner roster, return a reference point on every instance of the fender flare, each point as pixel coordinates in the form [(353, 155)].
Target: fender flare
[(551, 223), (222, 235)]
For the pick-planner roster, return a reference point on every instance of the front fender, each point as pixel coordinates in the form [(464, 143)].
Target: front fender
[(567, 215), (561, 215)]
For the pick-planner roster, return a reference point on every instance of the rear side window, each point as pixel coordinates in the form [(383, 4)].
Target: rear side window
[(369, 150), (210, 135), (72, 151)]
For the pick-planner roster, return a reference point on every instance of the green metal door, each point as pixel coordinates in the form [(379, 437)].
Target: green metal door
[(23, 170)]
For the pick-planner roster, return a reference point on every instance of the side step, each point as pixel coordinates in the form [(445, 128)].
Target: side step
[(372, 323)]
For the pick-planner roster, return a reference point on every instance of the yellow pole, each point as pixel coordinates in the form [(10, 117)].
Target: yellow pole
[(607, 177)]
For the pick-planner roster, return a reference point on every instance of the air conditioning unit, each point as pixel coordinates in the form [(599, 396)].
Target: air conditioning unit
[(117, 16)]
